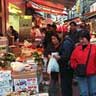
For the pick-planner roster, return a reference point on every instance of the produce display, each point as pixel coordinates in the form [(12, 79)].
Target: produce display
[(31, 93), (25, 68), (6, 59), (3, 44)]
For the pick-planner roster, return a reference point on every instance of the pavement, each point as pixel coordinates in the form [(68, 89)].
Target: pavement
[(44, 86)]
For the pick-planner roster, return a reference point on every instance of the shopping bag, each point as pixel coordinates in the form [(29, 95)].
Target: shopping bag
[(81, 70), (53, 65)]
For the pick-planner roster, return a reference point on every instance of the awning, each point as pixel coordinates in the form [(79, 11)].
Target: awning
[(49, 4), (67, 3), (90, 15), (51, 12), (76, 19), (43, 8), (55, 5)]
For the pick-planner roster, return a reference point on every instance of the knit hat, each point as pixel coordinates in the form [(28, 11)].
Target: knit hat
[(86, 34)]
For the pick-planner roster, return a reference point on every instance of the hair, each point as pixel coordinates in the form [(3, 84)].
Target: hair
[(86, 34), (49, 25), (56, 36), (11, 27), (54, 25), (74, 23), (43, 30)]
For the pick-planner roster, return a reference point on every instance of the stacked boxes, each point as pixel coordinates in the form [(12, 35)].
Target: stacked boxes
[(3, 44), (5, 83)]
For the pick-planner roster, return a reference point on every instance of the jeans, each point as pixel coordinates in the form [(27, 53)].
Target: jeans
[(87, 85)]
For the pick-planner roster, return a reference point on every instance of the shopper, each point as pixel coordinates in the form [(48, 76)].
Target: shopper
[(51, 29), (84, 25), (85, 54), (32, 34), (52, 49), (66, 48)]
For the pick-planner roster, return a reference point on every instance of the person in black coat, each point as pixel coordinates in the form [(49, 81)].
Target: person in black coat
[(13, 32), (66, 48), (53, 47)]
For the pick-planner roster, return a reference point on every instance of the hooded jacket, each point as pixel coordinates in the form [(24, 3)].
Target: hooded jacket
[(79, 56)]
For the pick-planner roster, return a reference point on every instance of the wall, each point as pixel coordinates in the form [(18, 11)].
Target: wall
[(14, 21)]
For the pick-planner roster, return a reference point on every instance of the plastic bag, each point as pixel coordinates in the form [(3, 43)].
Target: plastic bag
[(17, 66), (53, 65)]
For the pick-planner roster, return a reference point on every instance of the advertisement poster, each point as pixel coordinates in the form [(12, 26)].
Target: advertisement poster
[(26, 84)]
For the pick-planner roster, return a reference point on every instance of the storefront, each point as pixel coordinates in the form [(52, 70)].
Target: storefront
[(15, 16), (12, 11), (91, 18)]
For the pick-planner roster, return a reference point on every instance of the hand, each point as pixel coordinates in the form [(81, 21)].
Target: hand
[(57, 57), (49, 56)]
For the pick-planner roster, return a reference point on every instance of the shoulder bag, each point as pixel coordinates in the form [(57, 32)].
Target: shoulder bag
[(81, 68)]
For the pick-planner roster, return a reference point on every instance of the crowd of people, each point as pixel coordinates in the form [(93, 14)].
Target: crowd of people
[(73, 47)]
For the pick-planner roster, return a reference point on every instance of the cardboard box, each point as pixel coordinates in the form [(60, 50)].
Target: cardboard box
[(23, 75)]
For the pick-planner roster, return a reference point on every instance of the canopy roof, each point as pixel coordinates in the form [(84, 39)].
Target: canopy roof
[(56, 5), (66, 3), (49, 6), (90, 14)]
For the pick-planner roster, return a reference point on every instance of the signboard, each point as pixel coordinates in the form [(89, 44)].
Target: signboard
[(26, 84), (5, 83)]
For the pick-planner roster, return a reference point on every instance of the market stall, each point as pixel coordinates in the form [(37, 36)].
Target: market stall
[(21, 69)]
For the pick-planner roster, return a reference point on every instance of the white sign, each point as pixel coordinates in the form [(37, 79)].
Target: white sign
[(5, 83)]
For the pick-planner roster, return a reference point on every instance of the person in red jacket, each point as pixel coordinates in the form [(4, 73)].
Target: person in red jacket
[(86, 84)]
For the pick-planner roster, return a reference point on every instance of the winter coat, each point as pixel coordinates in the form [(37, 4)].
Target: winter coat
[(65, 51), (79, 56)]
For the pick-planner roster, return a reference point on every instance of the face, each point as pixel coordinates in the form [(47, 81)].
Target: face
[(49, 28), (84, 41), (83, 24), (54, 40), (72, 27), (9, 29)]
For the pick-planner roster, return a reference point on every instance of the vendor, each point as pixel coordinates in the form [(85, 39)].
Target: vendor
[(12, 33)]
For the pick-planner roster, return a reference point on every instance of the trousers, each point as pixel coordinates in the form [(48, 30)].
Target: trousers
[(87, 85)]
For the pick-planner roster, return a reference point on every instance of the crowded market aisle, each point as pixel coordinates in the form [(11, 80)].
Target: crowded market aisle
[(37, 38), (27, 64)]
